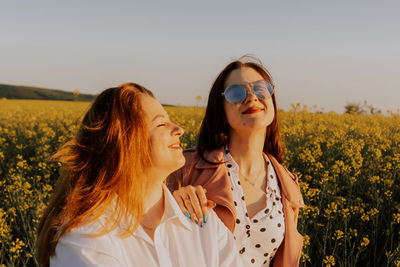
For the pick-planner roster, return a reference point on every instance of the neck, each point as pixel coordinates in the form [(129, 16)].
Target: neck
[(153, 209), (247, 150)]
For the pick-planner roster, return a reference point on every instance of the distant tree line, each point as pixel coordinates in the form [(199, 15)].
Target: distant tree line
[(365, 108), (29, 92)]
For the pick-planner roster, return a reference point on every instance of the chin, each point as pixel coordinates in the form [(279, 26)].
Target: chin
[(262, 122), (177, 163), (180, 162)]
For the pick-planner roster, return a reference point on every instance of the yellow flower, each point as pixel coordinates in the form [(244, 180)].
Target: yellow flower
[(16, 246), (365, 242), (306, 241), (396, 218), (373, 212), (365, 217), (329, 261), (338, 234)]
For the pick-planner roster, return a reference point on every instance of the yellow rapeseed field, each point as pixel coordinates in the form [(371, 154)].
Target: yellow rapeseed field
[(348, 166)]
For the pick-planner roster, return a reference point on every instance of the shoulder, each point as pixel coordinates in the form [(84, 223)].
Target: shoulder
[(194, 166), (213, 155), (88, 235), (82, 246), (191, 155), (175, 179), (281, 168)]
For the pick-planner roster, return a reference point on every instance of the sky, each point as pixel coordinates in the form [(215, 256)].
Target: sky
[(324, 53)]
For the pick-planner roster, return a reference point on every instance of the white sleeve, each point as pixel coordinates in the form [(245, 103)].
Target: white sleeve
[(80, 250), (228, 253)]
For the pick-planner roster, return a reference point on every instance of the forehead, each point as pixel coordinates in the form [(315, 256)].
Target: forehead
[(243, 75), (151, 107)]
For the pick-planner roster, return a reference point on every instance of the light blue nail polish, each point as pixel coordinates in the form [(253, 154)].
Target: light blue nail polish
[(188, 215), (204, 218)]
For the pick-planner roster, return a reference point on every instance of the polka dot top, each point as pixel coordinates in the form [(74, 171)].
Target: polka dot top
[(258, 238)]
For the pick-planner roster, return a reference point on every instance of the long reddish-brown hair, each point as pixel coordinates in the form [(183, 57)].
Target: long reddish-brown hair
[(214, 130), (107, 158)]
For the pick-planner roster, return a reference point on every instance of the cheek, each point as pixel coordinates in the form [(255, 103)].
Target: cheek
[(230, 113), (156, 145), (270, 108)]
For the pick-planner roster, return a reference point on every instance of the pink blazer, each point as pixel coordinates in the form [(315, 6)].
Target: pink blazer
[(214, 178)]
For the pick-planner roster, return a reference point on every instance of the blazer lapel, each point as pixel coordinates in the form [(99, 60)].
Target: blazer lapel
[(289, 184)]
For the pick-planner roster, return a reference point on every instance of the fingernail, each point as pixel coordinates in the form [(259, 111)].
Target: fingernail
[(196, 222), (188, 215), (204, 218)]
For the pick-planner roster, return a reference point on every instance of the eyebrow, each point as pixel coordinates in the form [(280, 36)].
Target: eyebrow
[(158, 116)]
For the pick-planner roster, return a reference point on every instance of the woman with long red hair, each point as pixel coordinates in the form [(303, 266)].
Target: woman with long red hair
[(237, 165), (111, 207)]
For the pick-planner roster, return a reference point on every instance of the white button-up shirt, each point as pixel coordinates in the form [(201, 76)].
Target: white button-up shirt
[(177, 242), (257, 238)]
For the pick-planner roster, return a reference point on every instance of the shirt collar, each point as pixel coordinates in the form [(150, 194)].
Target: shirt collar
[(230, 162), (172, 214), (172, 210)]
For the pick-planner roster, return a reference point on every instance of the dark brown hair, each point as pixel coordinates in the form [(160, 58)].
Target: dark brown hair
[(214, 130), (106, 159)]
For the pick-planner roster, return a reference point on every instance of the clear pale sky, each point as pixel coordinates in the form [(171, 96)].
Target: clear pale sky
[(324, 53)]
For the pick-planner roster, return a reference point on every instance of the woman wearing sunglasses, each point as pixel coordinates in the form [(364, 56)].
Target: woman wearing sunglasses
[(237, 165), (111, 208)]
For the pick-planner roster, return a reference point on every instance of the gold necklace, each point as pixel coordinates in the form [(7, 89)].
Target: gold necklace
[(248, 180)]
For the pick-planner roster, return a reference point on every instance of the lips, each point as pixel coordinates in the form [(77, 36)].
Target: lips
[(252, 110), (175, 145)]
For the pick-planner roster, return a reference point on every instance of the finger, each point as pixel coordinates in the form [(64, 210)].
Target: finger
[(211, 204), (179, 200), (188, 204), (196, 205), (203, 201)]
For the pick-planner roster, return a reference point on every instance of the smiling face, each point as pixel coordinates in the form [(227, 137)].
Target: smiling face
[(253, 114), (166, 153)]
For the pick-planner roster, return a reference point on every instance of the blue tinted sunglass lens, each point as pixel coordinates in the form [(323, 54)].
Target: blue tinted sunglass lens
[(235, 94), (270, 89), (263, 89)]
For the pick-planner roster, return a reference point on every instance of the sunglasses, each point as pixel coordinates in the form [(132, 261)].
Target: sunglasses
[(236, 94)]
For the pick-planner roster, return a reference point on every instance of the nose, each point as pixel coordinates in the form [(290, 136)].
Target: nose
[(177, 131), (250, 96)]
